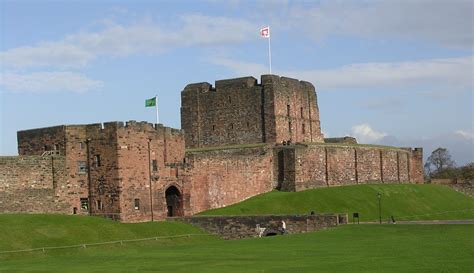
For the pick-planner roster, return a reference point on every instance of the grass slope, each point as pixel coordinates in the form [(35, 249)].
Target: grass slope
[(23, 231), (350, 248), (403, 201)]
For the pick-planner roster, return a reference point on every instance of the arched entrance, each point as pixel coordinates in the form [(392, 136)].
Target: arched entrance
[(174, 202)]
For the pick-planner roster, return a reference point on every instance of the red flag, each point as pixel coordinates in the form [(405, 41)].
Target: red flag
[(265, 32)]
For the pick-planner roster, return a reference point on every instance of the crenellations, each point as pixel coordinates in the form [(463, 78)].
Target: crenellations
[(243, 139), (241, 111)]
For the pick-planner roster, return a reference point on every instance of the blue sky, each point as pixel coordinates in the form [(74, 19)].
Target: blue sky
[(390, 72)]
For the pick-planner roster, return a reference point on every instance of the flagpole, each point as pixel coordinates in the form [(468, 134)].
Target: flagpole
[(156, 106), (269, 52)]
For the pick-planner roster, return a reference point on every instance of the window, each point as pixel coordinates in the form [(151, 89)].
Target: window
[(213, 127), (84, 204), (100, 206), (154, 165), (248, 124), (288, 110), (81, 145), (137, 204), (45, 147), (230, 99), (301, 109), (55, 147), (289, 127), (232, 126), (303, 129), (81, 167), (97, 160)]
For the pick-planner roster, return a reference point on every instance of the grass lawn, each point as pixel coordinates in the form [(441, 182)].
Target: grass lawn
[(350, 248), (403, 201), (24, 231)]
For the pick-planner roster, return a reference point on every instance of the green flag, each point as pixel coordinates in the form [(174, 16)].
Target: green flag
[(150, 102)]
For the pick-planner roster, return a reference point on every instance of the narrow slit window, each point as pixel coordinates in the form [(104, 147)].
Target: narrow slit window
[(137, 204), (97, 161), (154, 165)]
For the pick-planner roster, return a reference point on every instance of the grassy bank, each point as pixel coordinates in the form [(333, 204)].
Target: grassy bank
[(403, 201)]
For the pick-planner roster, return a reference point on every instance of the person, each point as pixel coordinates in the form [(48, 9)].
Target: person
[(283, 227), (312, 212), (393, 219)]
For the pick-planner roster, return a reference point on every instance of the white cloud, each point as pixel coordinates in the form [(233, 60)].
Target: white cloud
[(465, 134), (446, 23), (48, 82), (365, 134), (449, 73), (78, 49), (46, 54)]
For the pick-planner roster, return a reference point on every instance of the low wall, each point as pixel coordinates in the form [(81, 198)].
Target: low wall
[(238, 227), (466, 188), (29, 183)]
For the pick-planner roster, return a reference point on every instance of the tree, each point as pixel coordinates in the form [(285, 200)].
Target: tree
[(440, 159)]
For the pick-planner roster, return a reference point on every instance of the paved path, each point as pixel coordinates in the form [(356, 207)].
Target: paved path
[(429, 222)]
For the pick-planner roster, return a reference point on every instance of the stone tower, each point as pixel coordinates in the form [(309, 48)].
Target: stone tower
[(241, 111)]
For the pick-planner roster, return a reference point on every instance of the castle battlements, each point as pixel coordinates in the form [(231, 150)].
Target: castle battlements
[(243, 137)]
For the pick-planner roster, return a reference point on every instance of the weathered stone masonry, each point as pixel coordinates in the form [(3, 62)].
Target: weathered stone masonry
[(240, 111), (243, 137), (117, 170)]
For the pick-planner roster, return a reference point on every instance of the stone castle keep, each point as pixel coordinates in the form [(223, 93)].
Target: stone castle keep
[(239, 138)]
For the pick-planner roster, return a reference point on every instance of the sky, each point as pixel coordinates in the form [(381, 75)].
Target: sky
[(386, 72)]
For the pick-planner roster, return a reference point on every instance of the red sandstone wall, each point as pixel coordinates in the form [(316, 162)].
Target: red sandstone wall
[(416, 166), (341, 166), (228, 114), (37, 141), (389, 163), (368, 165), (240, 111), (30, 184), (310, 168), (403, 167), (346, 165), (138, 145), (224, 177), (294, 107), (76, 183)]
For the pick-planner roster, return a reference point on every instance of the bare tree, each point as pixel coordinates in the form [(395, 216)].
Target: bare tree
[(440, 159)]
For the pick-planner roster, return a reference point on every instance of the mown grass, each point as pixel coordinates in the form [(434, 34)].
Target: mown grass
[(24, 231), (403, 201), (350, 248)]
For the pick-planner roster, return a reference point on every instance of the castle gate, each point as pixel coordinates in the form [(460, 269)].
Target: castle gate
[(174, 202)]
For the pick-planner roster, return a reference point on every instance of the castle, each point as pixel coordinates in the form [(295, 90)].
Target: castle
[(239, 138)]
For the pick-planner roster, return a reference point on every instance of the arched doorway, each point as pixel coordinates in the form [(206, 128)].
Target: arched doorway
[(174, 202)]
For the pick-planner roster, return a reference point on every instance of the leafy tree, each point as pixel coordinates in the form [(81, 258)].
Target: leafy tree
[(440, 160)]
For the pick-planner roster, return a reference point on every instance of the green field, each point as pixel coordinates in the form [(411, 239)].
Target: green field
[(403, 201), (350, 248), (23, 231)]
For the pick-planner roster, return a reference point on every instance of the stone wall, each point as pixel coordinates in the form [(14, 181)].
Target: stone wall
[(313, 166), (238, 227), (121, 170), (30, 184), (241, 111), (222, 177), (37, 141)]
